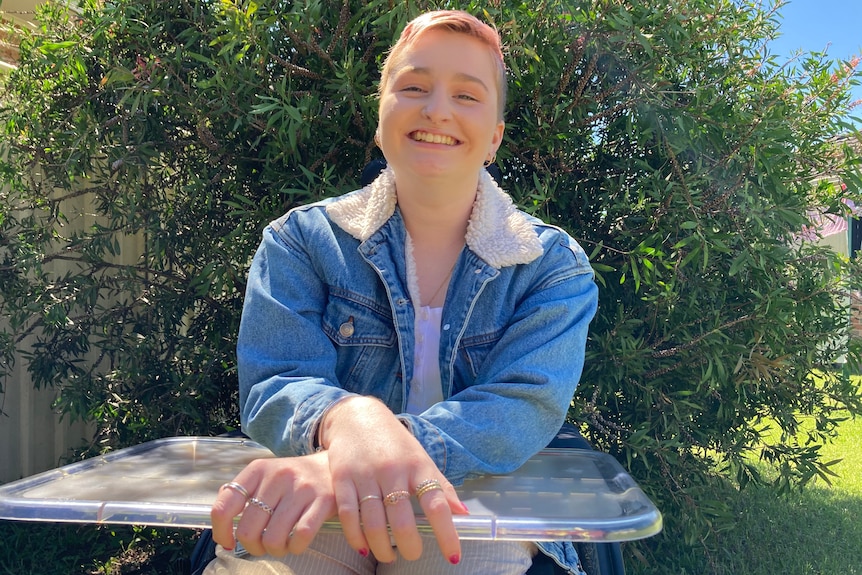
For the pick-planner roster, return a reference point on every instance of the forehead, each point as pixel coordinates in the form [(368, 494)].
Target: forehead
[(450, 53)]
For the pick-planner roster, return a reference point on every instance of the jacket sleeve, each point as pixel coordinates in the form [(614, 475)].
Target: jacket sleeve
[(523, 388), (286, 364)]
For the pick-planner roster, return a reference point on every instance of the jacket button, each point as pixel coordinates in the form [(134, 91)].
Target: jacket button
[(346, 329)]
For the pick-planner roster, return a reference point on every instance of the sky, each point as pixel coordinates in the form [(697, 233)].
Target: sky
[(834, 26)]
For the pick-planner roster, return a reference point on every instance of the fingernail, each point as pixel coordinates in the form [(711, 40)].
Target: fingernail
[(455, 559), (227, 548), (464, 507), (363, 552)]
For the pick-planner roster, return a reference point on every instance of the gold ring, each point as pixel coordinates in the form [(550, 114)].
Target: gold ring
[(426, 486), (261, 504), (236, 487), (367, 497), (395, 497)]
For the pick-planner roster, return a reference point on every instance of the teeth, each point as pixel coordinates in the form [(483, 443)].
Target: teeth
[(433, 138)]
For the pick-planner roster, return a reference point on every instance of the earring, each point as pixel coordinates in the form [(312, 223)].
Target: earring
[(377, 138), (491, 159)]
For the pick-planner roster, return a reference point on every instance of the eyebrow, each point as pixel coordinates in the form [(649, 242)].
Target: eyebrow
[(462, 76)]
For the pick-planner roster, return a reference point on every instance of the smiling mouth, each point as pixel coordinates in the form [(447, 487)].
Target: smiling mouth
[(420, 136)]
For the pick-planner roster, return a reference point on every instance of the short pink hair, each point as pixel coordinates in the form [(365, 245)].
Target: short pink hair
[(456, 21)]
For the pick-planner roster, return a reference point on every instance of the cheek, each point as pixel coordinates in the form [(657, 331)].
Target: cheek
[(386, 113)]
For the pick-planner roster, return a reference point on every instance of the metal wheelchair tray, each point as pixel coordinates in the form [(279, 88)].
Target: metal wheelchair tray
[(558, 495)]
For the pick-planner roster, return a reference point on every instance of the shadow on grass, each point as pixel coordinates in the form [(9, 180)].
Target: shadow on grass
[(71, 549), (816, 531)]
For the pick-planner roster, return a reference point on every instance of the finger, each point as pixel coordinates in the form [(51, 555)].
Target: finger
[(369, 512), (436, 505), (375, 531), (255, 519), (276, 537), (307, 526), (402, 522), (317, 511), (230, 502), (347, 503), (454, 500)]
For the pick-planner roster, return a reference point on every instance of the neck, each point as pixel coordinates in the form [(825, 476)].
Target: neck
[(436, 215), (436, 219)]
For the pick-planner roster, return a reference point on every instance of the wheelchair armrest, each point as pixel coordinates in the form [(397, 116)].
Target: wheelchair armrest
[(569, 438)]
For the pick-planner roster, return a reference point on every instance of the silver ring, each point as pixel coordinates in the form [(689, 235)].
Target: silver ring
[(261, 504), (367, 497), (236, 487)]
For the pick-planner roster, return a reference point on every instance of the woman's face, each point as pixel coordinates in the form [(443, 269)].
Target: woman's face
[(438, 113)]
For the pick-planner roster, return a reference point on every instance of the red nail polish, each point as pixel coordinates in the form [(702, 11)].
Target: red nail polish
[(464, 507), (363, 552), (455, 559)]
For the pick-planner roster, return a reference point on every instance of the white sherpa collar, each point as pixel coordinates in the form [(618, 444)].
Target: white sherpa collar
[(497, 232)]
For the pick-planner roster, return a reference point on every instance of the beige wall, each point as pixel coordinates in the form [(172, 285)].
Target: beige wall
[(32, 436)]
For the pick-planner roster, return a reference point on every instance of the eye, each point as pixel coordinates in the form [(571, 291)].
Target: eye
[(412, 89), (467, 97)]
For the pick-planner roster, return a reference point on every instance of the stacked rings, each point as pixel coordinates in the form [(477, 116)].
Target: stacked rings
[(426, 486), (261, 504), (395, 497), (236, 487)]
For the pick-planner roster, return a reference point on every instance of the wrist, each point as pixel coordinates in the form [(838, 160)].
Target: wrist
[(317, 433), (347, 414)]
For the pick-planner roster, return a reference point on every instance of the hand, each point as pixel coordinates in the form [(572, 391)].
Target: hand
[(372, 454), (297, 489)]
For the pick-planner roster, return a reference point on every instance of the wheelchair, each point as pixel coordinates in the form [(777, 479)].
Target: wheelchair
[(596, 558)]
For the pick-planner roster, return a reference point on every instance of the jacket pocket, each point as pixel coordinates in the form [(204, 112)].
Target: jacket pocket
[(474, 351), (365, 341)]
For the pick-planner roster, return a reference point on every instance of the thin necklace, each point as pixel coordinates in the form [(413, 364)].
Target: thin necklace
[(445, 282)]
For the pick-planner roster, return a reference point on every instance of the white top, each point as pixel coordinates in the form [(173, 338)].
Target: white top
[(426, 387)]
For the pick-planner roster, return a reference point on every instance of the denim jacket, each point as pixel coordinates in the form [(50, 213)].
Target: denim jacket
[(329, 313)]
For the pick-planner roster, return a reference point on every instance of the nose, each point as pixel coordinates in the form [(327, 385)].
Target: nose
[(437, 107)]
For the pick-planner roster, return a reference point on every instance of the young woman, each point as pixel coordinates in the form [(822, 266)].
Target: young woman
[(403, 337)]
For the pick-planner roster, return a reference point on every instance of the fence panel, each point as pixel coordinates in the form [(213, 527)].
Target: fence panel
[(33, 437)]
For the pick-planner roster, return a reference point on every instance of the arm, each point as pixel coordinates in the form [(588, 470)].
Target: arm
[(288, 383), (513, 395), (286, 363), (517, 401)]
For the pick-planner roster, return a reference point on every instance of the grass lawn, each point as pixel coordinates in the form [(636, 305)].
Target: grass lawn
[(817, 531)]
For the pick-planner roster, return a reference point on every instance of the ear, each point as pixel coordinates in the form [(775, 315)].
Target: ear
[(497, 137)]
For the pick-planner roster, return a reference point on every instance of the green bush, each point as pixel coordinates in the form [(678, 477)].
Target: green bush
[(662, 134)]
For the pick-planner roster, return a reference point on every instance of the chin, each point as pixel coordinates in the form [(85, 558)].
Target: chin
[(436, 169)]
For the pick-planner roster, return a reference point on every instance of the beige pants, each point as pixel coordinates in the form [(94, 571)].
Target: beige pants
[(329, 554)]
